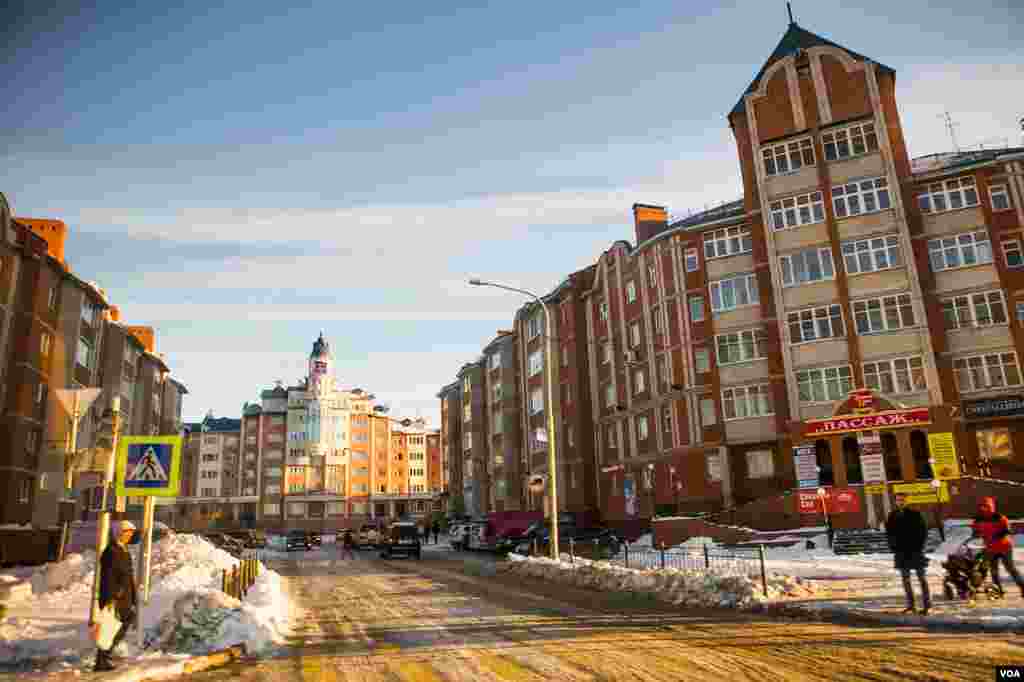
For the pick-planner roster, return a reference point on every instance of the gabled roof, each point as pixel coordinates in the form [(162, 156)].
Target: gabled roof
[(220, 425), (793, 39)]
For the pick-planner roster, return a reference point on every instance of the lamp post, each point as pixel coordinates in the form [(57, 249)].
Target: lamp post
[(824, 510), (676, 485), (937, 487), (549, 351), (650, 487)]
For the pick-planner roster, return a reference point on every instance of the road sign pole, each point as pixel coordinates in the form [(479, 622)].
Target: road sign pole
[(145, 560), (68, 476)]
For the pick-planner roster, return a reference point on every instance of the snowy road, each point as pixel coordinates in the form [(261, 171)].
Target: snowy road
[(406, 620)]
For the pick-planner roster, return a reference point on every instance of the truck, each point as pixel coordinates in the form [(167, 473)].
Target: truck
[(498, 531)]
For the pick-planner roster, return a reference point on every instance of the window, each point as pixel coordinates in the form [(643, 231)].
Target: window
[(602, 311), (728, 241), (210, 458), (902, 375), (707, 412), (974, 310), (744, 346), (804, 209), (815, 324), (45, 344), (661, 369), (666, 423), (606, 353), (641, 427), (495, 361), (870, 255), (536, 362), (536, 401), (692, 262), (1020, 312), (713, 467), (982, 372), (273, 472), (883, 314), (994, 443), (564, 356), (742, 402), (612, 440), (639, 386), (962, 250), (788, 156), (702, 360), (809, 265), (634, 335), (630, 291), (732, 293), (496, 393), (271, 509), (609, 395), (467, 385), (209, 492), (51, 300), (533, 327), (88, 313), (948, 196), (863, 196), (568, 393), (847, 142), (209, 474), (31, 442), (826, 384), (41, 391), (497, 424), (658, 320), (652, 276), (1012, 252), (570, 435), (999, 197), (759, 464), (696, 308)]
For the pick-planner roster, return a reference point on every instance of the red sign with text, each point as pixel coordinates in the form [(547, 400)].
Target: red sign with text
[(838, 501), (893, 419)]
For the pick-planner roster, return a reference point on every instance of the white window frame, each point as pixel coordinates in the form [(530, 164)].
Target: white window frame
[(816, 320), (696, 306), (883, 314), (496, 392), (658, 320), (702, 360), (787, 157), (940, 197), (652, 275), (84, 345), (999, 190), (968, 370), (834, 382), (630, 291), (728, 241), (896, 376), (872, 255), (861, 197), (639, 384), (797, 267), (611, 437), (747, 402), (495, 360), (607, 351), (842, 143), (635, 339), (1012, 246), (536, 401), (953, 252), (533, 326), (666, 423), (497, 423), (602, 311), (742, 288), (271, 508), (691, 260), (642, 427), (535, 362), (708, 415), (797, 211), (713, 472), (748, 344), (760, 464), (980, 309)]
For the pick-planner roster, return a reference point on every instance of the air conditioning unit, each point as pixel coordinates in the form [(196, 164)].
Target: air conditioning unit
[(630, 356)]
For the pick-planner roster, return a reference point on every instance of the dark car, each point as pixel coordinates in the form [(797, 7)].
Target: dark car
[(315, 539), (401, 538), (297, 540)]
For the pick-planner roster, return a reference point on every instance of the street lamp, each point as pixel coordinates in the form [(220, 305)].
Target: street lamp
[(549, 351), (937, 487), (824, 510), (676, 485), (650, 486)]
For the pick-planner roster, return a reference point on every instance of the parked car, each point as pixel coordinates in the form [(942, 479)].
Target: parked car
[(608, 543), (315, 539), (402, 538), (502, 530), (455, 534), (367, 536), (297, 540)]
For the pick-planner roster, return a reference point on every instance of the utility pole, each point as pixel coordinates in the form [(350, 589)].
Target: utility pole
[(951, 128), (111, 418)]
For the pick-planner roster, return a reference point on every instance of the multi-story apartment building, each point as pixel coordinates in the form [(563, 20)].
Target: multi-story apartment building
[(476, 475), (503, 427), (451, 443)]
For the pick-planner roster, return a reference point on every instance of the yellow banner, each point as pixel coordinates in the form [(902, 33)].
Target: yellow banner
[(874, 488), (921, 493), (943, 449)]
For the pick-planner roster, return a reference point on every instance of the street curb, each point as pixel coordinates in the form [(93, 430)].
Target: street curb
[(187, 666), (868, 618)]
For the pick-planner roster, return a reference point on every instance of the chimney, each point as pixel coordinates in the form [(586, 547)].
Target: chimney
[(648, 221), (115, 313)]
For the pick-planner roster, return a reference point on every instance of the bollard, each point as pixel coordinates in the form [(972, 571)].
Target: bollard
[(234, 582), (534, 553), (663, 556), (224, 581), (572, 552), (764, 574), (707, 558), (625, 547), (597, 553)]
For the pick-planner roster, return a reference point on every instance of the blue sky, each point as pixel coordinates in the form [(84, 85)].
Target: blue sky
[(241, 175)]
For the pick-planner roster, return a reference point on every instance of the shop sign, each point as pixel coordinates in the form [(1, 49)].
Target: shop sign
[(874, 489), (893, 419), (921, 493), (837, 500), (1007, 406), (944, 460), (806, 460), (872, 463)]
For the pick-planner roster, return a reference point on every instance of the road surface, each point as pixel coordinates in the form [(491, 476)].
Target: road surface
[(372, 619)]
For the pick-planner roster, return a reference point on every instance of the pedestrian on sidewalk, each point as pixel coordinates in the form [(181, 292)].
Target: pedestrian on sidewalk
[(347, 545), (437, 531), (994, 528), (117, 588), (907, 532)]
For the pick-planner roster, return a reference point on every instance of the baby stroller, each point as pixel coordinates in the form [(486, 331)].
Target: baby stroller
[(966, 571)]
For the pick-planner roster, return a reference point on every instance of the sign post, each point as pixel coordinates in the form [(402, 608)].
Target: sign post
[(150, 467), (76, 402)]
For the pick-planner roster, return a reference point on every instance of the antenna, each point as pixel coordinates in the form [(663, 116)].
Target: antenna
[(789, 10), (951, 127)]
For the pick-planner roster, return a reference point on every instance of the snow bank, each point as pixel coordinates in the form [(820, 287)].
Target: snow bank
[(49, 629), (676, 586)]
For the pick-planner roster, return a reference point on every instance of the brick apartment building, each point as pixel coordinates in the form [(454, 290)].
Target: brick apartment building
[(848, 279)]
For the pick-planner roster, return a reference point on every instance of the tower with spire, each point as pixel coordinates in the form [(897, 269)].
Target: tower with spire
[(321, 365)]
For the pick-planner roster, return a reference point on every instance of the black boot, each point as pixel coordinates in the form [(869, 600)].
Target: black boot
[(103, 661)]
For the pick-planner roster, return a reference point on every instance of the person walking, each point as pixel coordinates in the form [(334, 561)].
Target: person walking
[(994, 528), (347, 545), (117, 588), (907, 533), (437, 531)]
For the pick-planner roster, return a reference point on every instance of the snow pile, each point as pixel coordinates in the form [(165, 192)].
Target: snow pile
[(696, 588), (50, 629)]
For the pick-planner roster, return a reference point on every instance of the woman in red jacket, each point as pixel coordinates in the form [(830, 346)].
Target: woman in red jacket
[(995, 530)]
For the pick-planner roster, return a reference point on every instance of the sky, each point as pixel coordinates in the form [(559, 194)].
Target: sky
[(243, 175)]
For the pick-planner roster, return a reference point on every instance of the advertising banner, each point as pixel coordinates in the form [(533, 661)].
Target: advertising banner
[(872, 463), (838, 500), (892, 419), (921, 493), (806, 462), (943, 449)]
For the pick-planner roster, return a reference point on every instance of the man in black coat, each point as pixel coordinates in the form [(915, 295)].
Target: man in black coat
[(117, 586), (907, 533)]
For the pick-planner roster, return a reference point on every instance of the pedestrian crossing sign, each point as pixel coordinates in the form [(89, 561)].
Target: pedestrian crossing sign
[(148, 466)]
